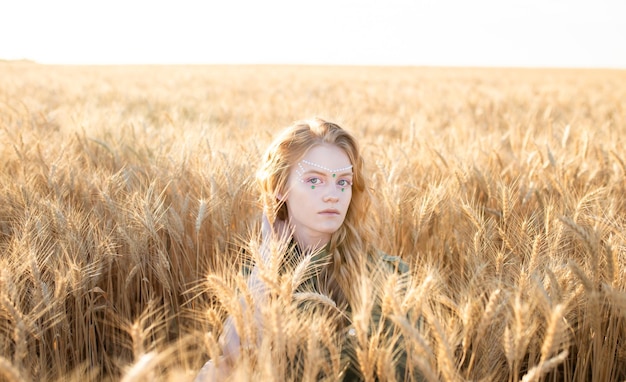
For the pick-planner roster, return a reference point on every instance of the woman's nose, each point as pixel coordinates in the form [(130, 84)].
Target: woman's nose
[(331, 197)]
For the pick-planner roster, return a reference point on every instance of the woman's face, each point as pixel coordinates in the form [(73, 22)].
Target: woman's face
[(319, 191)]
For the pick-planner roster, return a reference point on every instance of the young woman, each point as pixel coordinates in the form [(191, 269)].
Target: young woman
[(315, 196)]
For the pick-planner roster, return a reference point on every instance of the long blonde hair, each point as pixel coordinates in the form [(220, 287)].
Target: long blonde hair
[(350, 244)]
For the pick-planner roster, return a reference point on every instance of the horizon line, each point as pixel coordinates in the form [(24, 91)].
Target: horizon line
[(319, 64)]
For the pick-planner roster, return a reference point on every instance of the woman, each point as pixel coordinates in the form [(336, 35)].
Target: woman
[(316, 198)]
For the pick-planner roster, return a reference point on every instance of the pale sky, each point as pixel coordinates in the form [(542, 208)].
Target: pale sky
[(535, 33)]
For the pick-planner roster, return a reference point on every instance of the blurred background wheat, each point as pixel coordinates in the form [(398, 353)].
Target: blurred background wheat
[(127, 202)]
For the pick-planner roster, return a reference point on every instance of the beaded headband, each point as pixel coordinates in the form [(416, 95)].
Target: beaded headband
[(334, 172)]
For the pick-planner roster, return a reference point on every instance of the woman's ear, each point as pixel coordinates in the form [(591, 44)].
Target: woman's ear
[(281, 195)]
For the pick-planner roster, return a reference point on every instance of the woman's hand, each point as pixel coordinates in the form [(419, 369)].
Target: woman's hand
[(230, 341)]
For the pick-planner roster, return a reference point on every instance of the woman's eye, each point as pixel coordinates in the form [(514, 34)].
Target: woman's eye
[(314, 180), (344, 183)]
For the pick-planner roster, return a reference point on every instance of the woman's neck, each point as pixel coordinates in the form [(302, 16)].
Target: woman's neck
[(308, 243)]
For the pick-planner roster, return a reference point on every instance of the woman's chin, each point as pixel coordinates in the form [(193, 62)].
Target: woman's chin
[(329, 228)]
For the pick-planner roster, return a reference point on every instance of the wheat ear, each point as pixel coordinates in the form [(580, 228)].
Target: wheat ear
[(536, 372), (10, 372), (553, 333), (142, 367)]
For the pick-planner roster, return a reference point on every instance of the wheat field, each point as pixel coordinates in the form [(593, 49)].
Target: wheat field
[(128, 202)]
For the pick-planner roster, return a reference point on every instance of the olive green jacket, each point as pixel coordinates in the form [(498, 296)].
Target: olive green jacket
[(385, 264)]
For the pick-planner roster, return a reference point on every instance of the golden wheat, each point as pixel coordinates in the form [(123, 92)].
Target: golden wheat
[(128, 207)]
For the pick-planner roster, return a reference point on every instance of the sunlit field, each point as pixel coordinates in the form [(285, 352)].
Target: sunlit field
[(128, 204)]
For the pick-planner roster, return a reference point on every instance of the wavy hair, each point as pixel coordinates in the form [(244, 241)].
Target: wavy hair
[(350, 244)]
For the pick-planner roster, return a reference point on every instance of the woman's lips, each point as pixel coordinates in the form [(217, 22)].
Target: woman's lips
[(329, 211)]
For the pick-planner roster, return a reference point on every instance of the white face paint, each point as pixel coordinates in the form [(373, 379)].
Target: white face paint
[(319, 191)]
